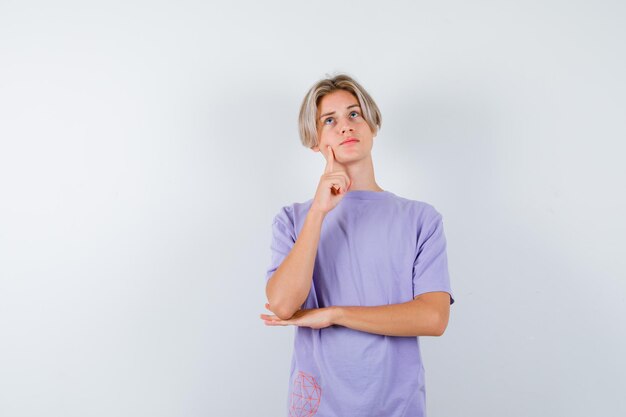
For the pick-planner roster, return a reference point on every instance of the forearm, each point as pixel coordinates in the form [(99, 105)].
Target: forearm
[(290, 284), (413, 318)]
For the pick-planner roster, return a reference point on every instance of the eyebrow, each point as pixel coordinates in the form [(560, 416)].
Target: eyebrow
[(332, 112)]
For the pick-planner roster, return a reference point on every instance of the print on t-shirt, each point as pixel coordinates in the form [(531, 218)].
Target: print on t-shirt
[(305, 396)]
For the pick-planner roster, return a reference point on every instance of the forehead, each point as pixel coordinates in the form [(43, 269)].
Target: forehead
[(337, 100)]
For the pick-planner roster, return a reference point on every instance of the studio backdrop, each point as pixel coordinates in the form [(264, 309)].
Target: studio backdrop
[(146, 147)]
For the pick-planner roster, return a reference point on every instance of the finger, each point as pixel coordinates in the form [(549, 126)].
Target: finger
[(340, 182), (273, 320), (273, 323), (330, 159), (333, 159), (346, 182)]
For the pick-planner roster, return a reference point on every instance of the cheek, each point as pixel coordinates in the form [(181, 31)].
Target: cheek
[(364, 126)]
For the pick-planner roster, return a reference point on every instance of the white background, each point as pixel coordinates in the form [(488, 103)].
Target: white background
[(146, 146)]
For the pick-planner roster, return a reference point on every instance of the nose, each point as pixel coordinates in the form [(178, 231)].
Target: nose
[(346, 128)]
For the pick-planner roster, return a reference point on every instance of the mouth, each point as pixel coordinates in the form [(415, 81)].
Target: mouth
[(349, 140)]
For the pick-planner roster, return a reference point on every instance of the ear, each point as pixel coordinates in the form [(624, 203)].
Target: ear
[(315, 148)]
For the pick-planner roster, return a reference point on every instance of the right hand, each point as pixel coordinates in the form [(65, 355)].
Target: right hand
[(332, 187)]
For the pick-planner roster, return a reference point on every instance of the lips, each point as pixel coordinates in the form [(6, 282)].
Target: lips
[(349, 140)]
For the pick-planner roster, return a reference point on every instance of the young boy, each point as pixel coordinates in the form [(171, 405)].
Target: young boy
[(360, 271)]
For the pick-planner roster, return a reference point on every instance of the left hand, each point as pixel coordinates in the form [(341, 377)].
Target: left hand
[(315, 318)]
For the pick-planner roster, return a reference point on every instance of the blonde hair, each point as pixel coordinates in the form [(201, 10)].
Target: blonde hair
[(307, 120)]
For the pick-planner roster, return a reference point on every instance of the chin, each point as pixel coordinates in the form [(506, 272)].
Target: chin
[(353, 158)]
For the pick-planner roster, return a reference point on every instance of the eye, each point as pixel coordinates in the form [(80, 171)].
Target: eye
[(327, 119), (355, 112)]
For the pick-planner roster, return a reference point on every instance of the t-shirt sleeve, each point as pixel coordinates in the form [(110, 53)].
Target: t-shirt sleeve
[(283, 239), (430, 269)]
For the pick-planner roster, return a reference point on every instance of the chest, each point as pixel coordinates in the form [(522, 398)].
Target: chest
[(365, 258)]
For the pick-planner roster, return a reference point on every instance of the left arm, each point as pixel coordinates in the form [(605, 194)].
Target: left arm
[(426, 315)]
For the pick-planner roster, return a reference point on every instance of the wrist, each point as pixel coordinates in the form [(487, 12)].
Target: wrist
[(336, 314), (315, 214)]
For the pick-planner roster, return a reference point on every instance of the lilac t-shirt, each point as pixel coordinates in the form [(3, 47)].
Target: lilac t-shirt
[(375, 248)]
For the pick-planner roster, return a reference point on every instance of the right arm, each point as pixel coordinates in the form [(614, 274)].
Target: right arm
[(290, 284)]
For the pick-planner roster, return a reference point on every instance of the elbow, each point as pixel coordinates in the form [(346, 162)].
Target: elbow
[(439, 331), (283, 312), (440, 326), (280, 310), (281, 304)]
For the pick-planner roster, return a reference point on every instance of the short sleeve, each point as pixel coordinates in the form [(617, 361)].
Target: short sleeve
[(430, 268), (283, 239)]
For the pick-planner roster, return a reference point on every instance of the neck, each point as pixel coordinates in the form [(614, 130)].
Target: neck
[(361, 173)]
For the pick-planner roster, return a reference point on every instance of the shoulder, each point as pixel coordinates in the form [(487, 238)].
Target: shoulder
[(424, 211), (284, 215), (289, 214)]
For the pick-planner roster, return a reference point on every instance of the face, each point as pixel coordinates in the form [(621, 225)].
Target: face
[(339, 117)]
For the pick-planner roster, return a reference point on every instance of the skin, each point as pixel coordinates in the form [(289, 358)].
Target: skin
[(427, 314), (356, 158)]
